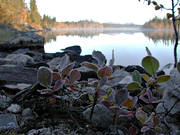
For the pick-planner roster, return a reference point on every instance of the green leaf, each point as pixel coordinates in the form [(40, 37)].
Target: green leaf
[(163, 78), (109, 92), (44, 76), (150, 64), (133, 86), (178, 67), (137, 77), (145, 77), (90, 65), (141, 116), (91, 99)]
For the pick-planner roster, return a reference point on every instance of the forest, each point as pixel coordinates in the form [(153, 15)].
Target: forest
[(16, 14)]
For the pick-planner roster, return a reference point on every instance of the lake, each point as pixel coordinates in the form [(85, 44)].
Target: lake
[(129, 45)]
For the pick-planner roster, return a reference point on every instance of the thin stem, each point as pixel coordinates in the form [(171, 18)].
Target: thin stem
[(176, 34)]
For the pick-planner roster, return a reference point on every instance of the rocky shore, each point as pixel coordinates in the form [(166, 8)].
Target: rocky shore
[(24, 110)]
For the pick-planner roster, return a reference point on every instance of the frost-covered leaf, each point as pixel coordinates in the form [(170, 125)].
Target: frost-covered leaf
[(105, 71), (133, 130), (58, 84), (130, 103), (141, 115), (114, 108), (148, 51), (102, 81), (90, 65), (144, 129), (106, 103), (163, 78), (67, 69), (118, 76), (145, 77), (121, 96), (101, 59), (167, 66), (137, 77), (73, 88), (56, 76), (156, 121), (133, 86), (74, 76), (111, 62), (45, 91), (44, 76), (100, 92), (64, 61), (150, 64)]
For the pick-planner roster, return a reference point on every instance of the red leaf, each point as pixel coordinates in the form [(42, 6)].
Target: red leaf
[(105, 71), (133, 130), (56, 76), (52, 101), (74, 76), (106, 103), (73, 88), (100, 92), (67, 69), (58, 85)]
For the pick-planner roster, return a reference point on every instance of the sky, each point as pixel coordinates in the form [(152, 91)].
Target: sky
[(114, 11)]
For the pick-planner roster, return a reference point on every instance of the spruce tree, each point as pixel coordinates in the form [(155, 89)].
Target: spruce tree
[(34, 14)]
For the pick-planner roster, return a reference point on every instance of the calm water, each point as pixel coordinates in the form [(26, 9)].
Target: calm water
[(129, 48)]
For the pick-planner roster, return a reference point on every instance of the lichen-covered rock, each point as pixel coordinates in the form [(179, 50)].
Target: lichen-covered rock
[(20, 59), (14, 108)]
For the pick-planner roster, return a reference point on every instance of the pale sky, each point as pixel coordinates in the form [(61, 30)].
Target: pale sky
[(116, 11)]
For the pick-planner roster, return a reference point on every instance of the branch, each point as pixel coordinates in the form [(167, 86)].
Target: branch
[(176, 3)]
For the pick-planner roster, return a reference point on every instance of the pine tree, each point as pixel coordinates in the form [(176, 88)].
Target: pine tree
[(34, 14)]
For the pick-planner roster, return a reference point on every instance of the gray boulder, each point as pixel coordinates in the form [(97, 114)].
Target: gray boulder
[(8, 122), (20, 59), (102, 116), (23, 40)]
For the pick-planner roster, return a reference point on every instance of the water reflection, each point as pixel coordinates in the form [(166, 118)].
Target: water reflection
[(166, 36), (129, 46)]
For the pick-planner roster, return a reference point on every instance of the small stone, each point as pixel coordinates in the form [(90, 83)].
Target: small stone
[(14, 108), (102, 116), (28, 114)]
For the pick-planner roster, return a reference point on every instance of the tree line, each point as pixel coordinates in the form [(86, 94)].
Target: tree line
[(17, 14), (159, 23)]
